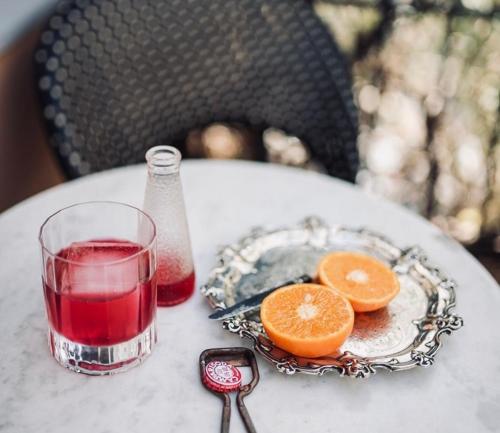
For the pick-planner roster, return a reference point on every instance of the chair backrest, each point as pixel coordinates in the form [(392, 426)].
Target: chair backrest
[(117, 77)]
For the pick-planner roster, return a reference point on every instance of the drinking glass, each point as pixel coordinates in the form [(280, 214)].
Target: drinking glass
[(99, 279)]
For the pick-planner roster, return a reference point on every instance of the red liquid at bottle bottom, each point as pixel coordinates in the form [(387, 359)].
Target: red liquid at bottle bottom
[(176, 292)]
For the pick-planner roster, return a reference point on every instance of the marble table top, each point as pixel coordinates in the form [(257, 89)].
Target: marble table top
[(460, 393)]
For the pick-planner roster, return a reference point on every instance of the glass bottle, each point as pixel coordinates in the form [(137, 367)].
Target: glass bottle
[(164, 202)]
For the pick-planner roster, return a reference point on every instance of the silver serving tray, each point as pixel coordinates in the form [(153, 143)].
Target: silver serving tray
[(405, 334)]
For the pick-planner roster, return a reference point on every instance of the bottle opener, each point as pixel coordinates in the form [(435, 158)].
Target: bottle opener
[(219, 375)]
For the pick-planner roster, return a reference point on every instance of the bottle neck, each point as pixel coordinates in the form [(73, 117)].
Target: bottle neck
[(163, 160)]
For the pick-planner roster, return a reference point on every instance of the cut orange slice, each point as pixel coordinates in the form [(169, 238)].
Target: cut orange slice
[(307, 320), (367, 282)]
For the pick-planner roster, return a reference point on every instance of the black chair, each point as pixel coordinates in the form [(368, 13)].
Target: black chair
[(118, 77)]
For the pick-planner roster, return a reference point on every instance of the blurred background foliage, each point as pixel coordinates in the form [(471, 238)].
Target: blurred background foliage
[(427, 79)]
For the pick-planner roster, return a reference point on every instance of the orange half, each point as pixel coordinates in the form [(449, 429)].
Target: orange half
[(307, 320), (366, 282)]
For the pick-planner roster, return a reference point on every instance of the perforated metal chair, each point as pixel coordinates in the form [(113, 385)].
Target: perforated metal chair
[(118, 77)]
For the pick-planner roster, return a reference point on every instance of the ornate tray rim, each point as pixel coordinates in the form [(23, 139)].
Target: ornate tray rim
[(439, 319)]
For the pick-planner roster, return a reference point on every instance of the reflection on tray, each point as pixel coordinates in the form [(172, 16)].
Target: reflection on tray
[(373, 324)]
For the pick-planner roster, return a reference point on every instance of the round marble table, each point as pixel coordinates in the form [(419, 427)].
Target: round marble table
[(460, 393)]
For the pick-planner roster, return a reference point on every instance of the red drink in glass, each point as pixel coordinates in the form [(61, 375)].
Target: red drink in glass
[(99, 281), (100, 306)]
